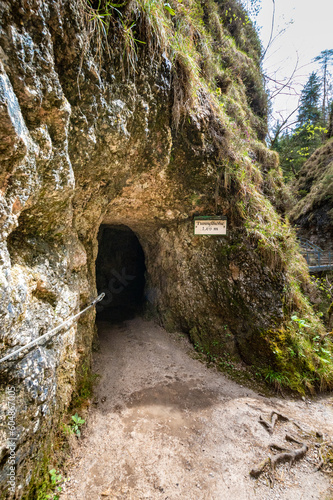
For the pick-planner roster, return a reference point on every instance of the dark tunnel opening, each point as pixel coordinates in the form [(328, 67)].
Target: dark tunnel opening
[(120, 273)]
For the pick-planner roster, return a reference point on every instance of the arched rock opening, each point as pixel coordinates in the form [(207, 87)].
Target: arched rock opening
[(120, 273)]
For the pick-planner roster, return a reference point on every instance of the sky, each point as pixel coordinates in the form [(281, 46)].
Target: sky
[(308, 31)]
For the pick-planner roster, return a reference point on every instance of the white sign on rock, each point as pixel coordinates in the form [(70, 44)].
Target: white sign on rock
[(210, 225)]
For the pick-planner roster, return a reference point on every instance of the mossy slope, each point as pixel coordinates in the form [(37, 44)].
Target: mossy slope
[(313, 213)]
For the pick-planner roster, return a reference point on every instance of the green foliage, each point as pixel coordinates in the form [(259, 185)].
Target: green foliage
[(46, 482), (313, 126), (169, 9), (303, 355), (330, 122), (277, 379), (130, 45), (77, 423), (99, 16), (56, 480), (252, 7), (196, 37), (315, 184), (103, 11), (308, 111), (50, 488), (74, 428), (85, 386), (301, 322), (324, 287), (236, 20), (294, 149), (325, 58)]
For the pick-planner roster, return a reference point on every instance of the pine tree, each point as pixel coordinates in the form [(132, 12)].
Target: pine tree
[(309, 111), (308, 135), (314, 120), (325, 58)]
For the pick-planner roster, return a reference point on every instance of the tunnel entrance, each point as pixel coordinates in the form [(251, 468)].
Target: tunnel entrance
[(120, 273)]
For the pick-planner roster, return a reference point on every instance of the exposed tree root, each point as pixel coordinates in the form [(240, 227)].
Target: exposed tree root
[(321, 463), (325, 453), (325, 449), (299, 427), (277, 447), (291, 456), (262, 467), (292, 439), (287, 455), (275, 417)]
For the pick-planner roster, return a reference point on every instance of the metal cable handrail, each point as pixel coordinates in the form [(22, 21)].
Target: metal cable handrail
[(54, 331)]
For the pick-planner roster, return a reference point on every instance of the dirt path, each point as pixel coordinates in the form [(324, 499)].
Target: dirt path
[(167, 427)]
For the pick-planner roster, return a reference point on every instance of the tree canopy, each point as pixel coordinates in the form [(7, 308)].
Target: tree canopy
[(314, 123)]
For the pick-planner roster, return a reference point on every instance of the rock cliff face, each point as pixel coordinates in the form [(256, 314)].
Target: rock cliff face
[(89, 140), (313, 214)]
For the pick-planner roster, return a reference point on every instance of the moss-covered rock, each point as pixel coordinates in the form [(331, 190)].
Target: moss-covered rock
[(313, 213)]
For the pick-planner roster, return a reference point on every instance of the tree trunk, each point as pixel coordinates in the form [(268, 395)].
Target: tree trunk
[(330, 123)]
